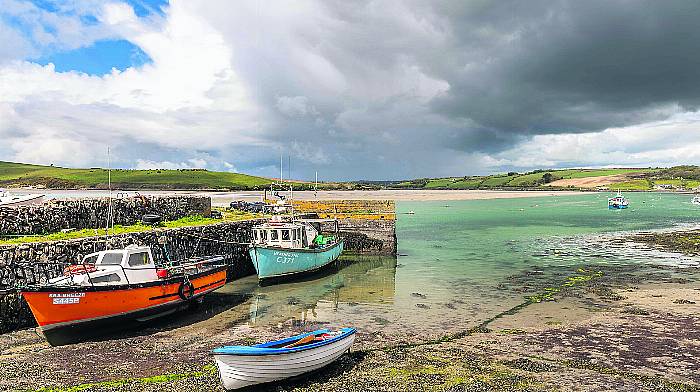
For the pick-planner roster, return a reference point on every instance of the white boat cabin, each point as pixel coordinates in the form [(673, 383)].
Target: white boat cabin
[(289, 235), (134, 264)]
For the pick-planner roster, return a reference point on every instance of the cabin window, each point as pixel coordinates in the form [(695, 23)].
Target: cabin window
[(255, 235), (294, 234), (106, 278), (263, 235), (112, 258), (90, 259), (138, 259), (273, 235), (285, 235)]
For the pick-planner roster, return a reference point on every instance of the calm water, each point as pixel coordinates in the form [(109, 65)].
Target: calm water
[(461, 262)]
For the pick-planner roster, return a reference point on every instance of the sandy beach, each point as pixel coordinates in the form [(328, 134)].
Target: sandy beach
[(224, 198)]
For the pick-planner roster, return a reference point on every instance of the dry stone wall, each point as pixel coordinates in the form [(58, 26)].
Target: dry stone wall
[(56, 215), (370, 236)]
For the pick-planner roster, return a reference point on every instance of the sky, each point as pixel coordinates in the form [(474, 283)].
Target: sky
[(352, 90)]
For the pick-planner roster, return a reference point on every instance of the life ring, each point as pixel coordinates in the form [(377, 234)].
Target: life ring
[(186, 290)]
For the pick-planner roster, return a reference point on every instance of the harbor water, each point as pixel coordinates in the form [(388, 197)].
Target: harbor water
[(462, 262)]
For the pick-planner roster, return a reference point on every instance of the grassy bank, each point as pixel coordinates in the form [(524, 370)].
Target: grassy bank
[(18, 174), (533, 179), (642, 179), (196, 220)]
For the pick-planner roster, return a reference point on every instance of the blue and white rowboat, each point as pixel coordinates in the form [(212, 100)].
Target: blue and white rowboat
[(243, 366)]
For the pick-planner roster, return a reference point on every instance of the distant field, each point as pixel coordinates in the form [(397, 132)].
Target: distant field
[(57, 177), (678, 177), (534, 179)]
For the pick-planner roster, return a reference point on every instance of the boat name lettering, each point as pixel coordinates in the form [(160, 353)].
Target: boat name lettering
[(66, 295), (285, 257), (66, 301)]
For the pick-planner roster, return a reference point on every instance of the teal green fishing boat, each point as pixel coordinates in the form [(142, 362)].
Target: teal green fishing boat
[(285, 249)]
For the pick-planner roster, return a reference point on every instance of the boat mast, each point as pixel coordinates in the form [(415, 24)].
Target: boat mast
[(110, 221)]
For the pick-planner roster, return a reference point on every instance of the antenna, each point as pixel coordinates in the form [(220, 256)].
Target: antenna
[(280, 168), (110, 221), (316, 186)]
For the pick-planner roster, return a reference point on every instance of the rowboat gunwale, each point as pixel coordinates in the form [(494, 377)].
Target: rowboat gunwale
[(264, 348)]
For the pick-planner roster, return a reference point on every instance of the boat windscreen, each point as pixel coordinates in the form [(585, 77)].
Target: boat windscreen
[(112, 258), (90, 259)]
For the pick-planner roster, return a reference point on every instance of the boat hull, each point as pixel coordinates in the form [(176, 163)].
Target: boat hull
[(65, 313), (240, 371), (23, 201), (274, 263)]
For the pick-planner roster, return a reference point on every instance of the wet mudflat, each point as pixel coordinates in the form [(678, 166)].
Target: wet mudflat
[(592, 336)]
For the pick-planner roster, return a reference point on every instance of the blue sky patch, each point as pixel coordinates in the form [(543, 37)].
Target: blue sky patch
[(99, 58), (146, 7)]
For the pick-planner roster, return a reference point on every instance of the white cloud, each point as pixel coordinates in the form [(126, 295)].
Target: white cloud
[(674, 141), (144, 164), (344, 88)]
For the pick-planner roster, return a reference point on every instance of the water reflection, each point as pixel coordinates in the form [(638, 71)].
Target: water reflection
[(359, 280)]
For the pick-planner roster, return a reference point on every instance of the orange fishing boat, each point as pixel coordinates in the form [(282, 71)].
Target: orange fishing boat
[(112, 286)]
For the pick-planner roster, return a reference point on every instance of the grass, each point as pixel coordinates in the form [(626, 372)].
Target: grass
[(496, 181), (189, 221), (206, 371), (516, 180), (58, 177), (633, 185)]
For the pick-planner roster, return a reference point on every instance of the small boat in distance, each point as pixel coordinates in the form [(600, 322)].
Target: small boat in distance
[(618, 202), (696, 200), (9, 200), (244, 366), (282, 249), (411, 212), (113, 286)]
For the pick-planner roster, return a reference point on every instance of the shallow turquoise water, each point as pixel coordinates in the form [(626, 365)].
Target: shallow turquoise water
[(461, 262)]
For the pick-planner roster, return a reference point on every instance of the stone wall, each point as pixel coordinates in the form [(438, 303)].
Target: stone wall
[(368, 236), (55, 215)]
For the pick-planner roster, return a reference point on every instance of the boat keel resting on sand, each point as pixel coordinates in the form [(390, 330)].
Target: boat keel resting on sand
[(118, 285), (243, 366)]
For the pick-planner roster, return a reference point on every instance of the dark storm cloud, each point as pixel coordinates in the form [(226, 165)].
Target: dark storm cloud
[(571, 66)]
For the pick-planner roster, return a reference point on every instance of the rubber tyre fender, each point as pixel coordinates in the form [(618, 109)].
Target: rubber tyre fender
[(186, 291)]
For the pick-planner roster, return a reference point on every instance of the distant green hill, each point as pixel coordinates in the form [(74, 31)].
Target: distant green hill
[(19, 174), (674, 178)]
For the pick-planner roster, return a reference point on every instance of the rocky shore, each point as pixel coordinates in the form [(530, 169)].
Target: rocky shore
[(687, 242), (594, 331)]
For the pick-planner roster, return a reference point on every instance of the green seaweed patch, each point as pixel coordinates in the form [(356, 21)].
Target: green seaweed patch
[(635, 310), (206, 371), (530, 365), (512, 331), (549, 293)]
